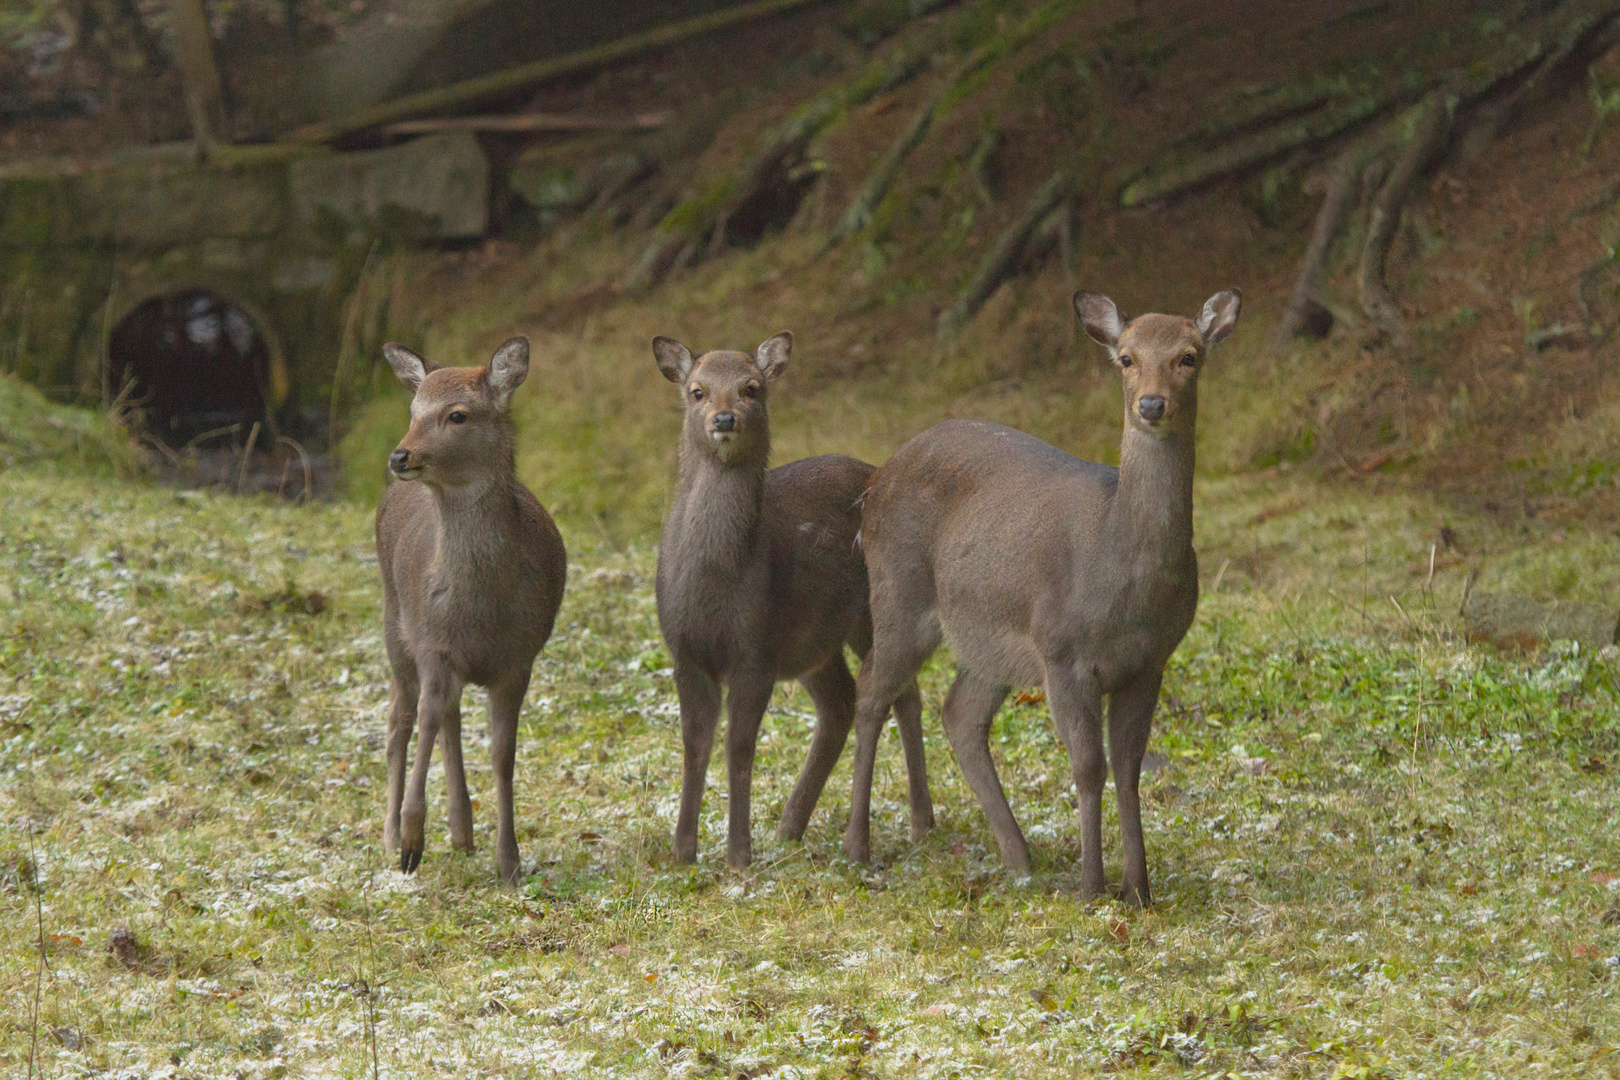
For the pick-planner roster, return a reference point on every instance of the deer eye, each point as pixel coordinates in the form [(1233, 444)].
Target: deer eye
[(751, 390), (1125, 360), (697, 393), (1190, 360), (458, 417)]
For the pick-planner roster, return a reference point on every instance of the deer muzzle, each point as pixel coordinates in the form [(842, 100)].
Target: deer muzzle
[(399, 463)]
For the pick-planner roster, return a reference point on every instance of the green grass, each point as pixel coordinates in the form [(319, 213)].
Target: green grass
[(1421, 881), (35, 429)]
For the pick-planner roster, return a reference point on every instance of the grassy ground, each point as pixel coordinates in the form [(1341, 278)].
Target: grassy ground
[(1376, 851)]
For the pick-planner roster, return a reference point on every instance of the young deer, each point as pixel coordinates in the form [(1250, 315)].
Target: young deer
[(473, 571), (760, 579), (1036, 567)]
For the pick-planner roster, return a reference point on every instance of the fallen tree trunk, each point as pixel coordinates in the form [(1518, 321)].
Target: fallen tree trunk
[(1009, 251), (515, 78), (529, 122)]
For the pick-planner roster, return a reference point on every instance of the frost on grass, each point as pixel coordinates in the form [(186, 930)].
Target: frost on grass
[(1423, 871)]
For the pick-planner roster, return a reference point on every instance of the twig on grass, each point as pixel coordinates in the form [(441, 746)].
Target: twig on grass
[(39, 971)]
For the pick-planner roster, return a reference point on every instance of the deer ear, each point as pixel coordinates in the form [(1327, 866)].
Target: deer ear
[(1100, 317), (674, 359), (772, 355), (410, 368), (509, 367), (1219, 315)]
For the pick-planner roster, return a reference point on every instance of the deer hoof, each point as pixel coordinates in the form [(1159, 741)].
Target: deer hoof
[(409, 860)]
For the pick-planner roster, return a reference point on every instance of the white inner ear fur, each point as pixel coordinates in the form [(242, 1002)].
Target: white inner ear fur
[(772, 354), (671, 354), (1101, 319), (510, 366), (409, 368), (1219, 315)]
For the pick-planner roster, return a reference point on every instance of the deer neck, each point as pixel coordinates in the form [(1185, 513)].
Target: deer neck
[(475, 526), (1151, 510), (719, 506)]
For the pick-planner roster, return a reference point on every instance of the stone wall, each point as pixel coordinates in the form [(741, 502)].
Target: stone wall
[(284, 232)]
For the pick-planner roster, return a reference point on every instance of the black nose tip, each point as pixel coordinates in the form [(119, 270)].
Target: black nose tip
[(399, 459), (1151, 406), (725, 421)]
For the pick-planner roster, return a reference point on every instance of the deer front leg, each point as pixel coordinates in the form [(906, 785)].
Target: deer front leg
[(458, 804), (700, 714), (505, 703), (440, 687), (402, 696), (1076, 704), (746, 700), (1130, 723)]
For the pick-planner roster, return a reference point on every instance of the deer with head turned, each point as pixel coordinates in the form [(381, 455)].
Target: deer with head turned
[(1039, 568), (473, 571), (760, 580)]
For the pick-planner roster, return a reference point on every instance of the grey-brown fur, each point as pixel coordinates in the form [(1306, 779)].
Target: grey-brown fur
[(1038, 568), (473, 571), (760, 579)]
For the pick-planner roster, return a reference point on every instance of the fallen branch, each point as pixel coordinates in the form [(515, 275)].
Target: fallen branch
[(1432, 121), (1009, 252), (883, 175), (529, 122), (514, 78)]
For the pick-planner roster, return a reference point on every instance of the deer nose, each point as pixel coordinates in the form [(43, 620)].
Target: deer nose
[(725, 421), (1151, 406), (399, 460)]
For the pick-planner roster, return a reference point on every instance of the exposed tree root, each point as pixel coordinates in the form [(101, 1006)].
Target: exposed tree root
[(1339, 194), (777, 168), (1012, 249), (1433, 119), (952, 89), (1511, 77), (1182, 168)]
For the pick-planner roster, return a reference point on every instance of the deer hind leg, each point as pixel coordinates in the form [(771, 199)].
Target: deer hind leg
[(1076, 705), (402, 695), (440, 688), (505, 704), (832, 688), (700, 715), (888, 678), (1130, 723), (458, 804), (908, 723), (970, 708)]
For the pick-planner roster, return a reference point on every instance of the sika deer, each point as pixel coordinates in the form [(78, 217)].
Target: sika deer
[(473, 571), (1036, 567), (760, 579)]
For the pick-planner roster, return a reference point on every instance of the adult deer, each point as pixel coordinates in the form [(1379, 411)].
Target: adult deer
[(1036, 567), (473, 571), (760, 579)]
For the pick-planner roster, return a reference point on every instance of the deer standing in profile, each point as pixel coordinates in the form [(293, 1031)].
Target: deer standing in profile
[(473, 571), (760, 579), (1038, 568)]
